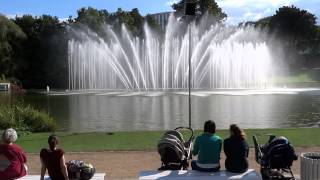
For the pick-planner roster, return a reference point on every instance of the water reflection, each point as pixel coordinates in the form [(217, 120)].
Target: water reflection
[(110, 113), (123, 112)]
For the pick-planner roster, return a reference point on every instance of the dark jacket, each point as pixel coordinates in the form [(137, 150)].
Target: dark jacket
[(237, 151)]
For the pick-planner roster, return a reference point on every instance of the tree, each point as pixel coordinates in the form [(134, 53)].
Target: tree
[(263, 23), (131, 19), (138, 21), (296, 28), (10, 37), (93, 18), (153, 24), (44, 52), (202, 7), (293, 23)]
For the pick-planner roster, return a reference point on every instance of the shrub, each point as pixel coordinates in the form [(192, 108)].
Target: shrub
[(25, 118)]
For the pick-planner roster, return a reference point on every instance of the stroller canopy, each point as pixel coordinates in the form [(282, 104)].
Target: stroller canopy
[(171, 147), (279, 153)]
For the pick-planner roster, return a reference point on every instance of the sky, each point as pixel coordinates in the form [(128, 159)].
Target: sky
[(237, 10)]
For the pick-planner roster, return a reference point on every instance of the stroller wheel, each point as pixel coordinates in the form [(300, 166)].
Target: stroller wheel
[(265, 174), (272, 174), (185, 164)]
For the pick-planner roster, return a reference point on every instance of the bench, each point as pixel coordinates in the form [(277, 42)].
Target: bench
[(251, 174), (97, 176)]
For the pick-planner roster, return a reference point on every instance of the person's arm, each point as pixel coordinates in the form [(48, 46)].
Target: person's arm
[(220, 145), (43, 170), (247, 149), (24, 157), (225, 148), (64, 168), (195, 147)]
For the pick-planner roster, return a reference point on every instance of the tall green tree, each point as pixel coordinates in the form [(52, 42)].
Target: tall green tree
[(45, 52), (131, 19), (202, 7), (293, 23), (92, 18), (10, 37), (153, 24), (95, 19), (296, 28)]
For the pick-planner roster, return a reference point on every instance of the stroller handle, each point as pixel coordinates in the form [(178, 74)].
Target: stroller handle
[(187, 128)]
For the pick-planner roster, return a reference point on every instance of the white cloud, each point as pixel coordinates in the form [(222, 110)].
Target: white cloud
[(171, 2), (253, 16), (63, 19), (252, 10), (259, 4), (247, 16), (12, 16)]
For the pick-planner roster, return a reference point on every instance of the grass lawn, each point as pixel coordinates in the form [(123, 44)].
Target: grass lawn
[(298, 78), (147, 140)]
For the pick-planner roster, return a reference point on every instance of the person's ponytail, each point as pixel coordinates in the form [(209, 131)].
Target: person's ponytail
[(53, 141)]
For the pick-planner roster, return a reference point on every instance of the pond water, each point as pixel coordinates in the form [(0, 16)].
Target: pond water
[(161, 110)]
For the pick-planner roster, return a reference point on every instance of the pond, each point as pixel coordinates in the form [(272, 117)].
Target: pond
[(161, 110)]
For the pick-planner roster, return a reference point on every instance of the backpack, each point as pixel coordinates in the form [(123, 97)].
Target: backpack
[(86, 169)]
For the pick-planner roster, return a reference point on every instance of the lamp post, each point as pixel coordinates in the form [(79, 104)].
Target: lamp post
[(190, 10)]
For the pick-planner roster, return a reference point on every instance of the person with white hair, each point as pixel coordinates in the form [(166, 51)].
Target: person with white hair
[(12, 157)]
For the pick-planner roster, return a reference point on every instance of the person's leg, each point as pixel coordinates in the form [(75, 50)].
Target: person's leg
[(210, 169), (194, 166), (215, 169)]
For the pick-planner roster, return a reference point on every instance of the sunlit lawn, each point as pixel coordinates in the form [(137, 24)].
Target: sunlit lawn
[(147, 140)]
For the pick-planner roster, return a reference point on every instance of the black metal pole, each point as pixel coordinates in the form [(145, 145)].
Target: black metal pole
[(189, 24), (190, 10)]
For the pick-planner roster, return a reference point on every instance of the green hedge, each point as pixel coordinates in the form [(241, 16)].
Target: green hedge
[(25, 118)]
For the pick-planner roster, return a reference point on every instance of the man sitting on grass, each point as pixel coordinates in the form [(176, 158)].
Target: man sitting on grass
[(208, 148)]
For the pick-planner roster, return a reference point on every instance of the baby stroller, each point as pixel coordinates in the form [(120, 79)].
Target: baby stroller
[(275, 158), (174, 151)]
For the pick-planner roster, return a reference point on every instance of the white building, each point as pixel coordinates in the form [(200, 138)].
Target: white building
[(4, 86), (161, 18)]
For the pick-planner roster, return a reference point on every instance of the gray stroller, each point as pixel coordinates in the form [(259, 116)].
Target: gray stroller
[(174, 151)]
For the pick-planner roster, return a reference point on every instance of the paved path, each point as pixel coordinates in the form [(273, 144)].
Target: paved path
[(128, 164)]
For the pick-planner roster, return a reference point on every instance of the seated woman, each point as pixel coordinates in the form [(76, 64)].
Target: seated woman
[(53, 160), (237, 150), (12, 157), (208, 148)]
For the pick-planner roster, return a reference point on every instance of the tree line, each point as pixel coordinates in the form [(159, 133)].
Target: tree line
[(297, 31), (34, 49)]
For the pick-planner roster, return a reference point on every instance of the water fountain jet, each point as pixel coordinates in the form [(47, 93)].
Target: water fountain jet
[(222, 57)]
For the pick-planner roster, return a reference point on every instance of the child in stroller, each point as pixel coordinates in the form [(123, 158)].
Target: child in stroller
[(174, 151), (275, 158)]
